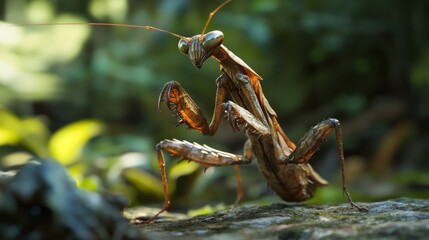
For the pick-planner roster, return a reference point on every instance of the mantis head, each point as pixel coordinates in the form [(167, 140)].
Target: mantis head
[(200, 47)]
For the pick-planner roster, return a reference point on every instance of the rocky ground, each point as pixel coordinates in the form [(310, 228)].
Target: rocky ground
[(41, 202), (403, 218)]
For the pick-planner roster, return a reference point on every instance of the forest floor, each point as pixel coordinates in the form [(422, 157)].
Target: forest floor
[(403, 218)]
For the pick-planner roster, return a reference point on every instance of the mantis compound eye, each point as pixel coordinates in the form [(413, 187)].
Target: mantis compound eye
[(183, 46), (212, 40)]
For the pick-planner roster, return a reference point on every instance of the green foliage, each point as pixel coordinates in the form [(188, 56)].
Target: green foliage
[(66, 144), (87, 150), (205, 210), (144, 182), (30, 132)]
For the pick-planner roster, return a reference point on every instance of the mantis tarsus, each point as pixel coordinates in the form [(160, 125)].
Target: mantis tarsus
[(283, 164)]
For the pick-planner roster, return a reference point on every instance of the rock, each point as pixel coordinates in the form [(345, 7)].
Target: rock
[(402, 218), (42, 202)]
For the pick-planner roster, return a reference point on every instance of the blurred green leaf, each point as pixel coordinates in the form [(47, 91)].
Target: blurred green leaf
[(35, 135), (412, 177), (91, 183), (352, 104), (182, 168), (67, 143), (16, 159), (420, 73), (8, 137), (115, 10), (205, 210), (8, 120), (144, 182), (77, 171), (328, 194), (40, 11), (30, 132)]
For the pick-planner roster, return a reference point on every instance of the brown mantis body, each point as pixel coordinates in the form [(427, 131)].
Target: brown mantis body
[(284, 165)]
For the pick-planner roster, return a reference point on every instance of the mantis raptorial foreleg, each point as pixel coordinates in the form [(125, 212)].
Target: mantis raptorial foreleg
[(188, 111)]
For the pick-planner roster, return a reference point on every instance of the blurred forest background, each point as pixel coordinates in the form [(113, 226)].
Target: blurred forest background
[(87, 96)]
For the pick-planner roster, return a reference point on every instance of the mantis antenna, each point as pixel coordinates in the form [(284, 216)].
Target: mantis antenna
[(129, 25), (101, 24), (211, 16)]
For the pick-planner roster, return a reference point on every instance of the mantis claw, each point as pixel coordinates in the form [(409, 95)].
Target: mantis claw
[(179, 122), (161, 98), (183, 107), (232, 119)]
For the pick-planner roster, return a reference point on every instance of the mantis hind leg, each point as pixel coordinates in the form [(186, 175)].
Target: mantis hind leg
[(309, 144), (247, 154)]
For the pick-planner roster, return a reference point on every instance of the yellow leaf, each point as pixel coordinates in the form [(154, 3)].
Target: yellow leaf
[(35, 135), (205, 210), (181, 169), (8, 120), (8, 125), (67, 143), (77, 172), (16, 159), (31, 132), (8, 137), (90, 183)]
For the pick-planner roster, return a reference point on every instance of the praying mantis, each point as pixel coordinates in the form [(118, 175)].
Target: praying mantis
[(284, 164)]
